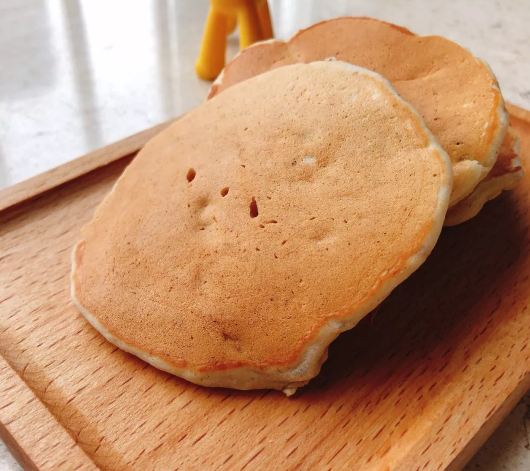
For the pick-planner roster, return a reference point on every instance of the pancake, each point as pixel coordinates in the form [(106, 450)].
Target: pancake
[(247, 236), (456, 93), (505, 175)]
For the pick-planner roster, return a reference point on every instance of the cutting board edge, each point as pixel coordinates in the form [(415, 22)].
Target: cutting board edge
[(47, 181), (518, 112), (488, 427), (18, 395)]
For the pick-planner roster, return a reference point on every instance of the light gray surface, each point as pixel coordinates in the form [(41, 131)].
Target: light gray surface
[(77, 75)]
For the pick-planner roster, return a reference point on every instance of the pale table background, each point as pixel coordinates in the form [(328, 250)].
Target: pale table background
[(76, 75)]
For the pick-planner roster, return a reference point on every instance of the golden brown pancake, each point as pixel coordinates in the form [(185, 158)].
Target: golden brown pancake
[(457, 94), (243, 239), (504, 175)]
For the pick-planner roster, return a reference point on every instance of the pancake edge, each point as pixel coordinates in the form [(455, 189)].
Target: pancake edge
[(484, 192)]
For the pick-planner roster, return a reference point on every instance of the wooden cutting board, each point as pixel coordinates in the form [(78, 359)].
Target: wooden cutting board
[(419, 388)]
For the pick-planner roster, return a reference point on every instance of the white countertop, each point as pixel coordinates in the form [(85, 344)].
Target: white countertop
[(76, 75)]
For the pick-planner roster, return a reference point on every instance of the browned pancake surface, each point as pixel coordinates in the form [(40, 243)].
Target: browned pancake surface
[(290, 200)]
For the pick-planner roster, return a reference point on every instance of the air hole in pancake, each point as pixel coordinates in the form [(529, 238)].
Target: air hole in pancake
[(242, 166), (253, 208), (272, 221), (458, 143), (262, 226), (284, 242), (224, 191), (191, 175)]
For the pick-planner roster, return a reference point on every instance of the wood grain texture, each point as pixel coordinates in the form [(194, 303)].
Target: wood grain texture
[(64, 173), (49, 446), (419, 388)]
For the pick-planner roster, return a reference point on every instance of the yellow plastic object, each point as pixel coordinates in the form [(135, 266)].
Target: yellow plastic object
[(231, 23), (254, 22)]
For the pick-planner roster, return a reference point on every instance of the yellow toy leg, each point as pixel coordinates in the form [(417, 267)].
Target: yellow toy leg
[(231, 23), (211, 58), (249, 26), (254, 21), (265, 19)]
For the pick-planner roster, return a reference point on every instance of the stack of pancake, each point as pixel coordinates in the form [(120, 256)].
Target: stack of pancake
[(245, 238), (456, 93)]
